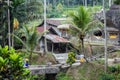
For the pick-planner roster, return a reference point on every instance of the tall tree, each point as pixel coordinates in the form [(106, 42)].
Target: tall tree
[(3, 22), (22, 10), (83, 23), (31, 39)]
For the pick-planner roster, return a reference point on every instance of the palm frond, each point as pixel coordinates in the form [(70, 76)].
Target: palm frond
[(20, 40), (93, 24)]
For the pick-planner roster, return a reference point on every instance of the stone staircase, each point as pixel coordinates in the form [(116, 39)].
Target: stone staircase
[(61, 57)]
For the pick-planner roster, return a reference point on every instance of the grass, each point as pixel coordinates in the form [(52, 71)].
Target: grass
[(38, 59), (86, 71), (114, 54), (42, 60)]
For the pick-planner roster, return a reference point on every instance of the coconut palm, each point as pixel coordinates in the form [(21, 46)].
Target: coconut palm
[(83, 23)]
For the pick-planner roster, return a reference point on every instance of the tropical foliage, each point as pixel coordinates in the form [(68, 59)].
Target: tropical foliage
[(22, 11), (83, 23), (71, 58), (80, 19), (11, 65), (117, 2), (31, 39)]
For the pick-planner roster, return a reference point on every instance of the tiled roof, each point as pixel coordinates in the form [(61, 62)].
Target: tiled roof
[(55, 38), (41, 29), (54, 22)]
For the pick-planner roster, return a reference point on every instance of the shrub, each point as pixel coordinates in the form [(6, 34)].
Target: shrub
[(114, 69), (107, 77), (117, 2), (11, 65), (71, 58), (63, 76)]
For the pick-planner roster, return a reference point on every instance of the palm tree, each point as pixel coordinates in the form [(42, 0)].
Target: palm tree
[(82, 21), (24, 11), (21, 10), (31, 39)]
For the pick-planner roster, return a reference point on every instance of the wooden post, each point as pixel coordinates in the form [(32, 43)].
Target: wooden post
[(66, 47), (52, 47)]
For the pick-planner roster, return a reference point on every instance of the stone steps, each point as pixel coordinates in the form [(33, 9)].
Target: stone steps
[(61, 57)]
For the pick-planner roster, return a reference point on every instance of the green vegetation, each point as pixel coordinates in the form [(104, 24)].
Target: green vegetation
[(32, 38), (38, 59), (114, 54), (11, 65), (24, 11), (83, 22), (63, 76), (71, 58), (113, 73), (86, 71), (117, 2), (90, 71), (30, 12), (80, 19)]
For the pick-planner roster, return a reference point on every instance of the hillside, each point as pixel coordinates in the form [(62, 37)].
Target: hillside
[(86, 71)]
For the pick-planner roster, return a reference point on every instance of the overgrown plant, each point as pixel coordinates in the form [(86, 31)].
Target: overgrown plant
[(113, 73), (11, 65), (32, 38)]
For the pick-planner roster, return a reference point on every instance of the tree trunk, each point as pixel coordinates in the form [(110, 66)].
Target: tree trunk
[(83, 49), (82, 41), (30, 58), (13, 38)]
